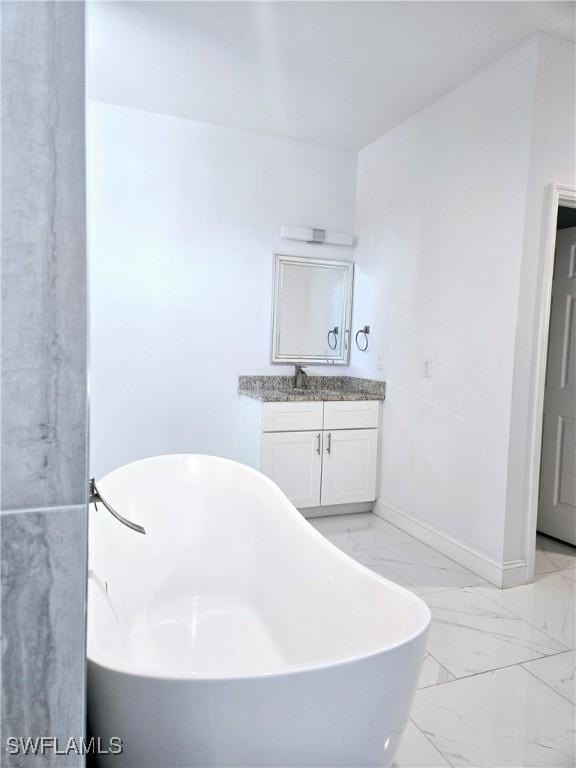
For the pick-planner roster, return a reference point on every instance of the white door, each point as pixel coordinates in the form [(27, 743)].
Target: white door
[(349, 466), (294, 461), (557, 503)]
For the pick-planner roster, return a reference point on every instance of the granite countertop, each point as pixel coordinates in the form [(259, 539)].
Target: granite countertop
[(280, 389)]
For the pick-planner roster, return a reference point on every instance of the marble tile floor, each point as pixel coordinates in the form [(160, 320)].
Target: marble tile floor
[(498, 684)]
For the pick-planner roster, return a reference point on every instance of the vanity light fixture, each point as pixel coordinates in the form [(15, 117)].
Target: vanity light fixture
[(317, 236)]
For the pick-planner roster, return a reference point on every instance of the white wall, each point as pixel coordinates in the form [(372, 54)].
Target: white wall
[(440, 216), (552, 160), (443, 220), (184, 222)]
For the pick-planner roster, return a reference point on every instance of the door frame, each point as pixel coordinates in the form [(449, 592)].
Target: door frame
[(557, 195)]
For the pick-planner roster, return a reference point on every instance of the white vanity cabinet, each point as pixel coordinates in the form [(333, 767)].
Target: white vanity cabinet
[(321, 454), (294, 461), (349, 466)]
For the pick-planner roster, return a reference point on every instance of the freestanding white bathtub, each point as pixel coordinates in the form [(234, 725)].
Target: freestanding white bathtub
[(234, 634)]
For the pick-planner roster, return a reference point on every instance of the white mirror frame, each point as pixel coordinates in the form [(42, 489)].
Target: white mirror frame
[(348, 269)]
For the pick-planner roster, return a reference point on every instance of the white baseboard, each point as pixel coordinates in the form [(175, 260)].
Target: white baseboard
[(514, 573), (508, 574), (338, 509)]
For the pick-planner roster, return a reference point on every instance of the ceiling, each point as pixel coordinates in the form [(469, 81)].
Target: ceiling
[(335, 73)]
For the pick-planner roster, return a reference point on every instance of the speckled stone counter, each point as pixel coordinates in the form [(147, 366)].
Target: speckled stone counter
[(281, 388)]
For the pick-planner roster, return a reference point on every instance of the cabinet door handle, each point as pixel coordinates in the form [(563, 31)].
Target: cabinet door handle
[(329, 445), (318, 443)]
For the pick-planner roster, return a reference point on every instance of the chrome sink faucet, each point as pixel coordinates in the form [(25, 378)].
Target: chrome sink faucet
[(300, 377)]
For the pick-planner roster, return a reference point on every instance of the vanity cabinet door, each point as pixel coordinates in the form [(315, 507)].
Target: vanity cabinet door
[(294, 461), (349, 466)]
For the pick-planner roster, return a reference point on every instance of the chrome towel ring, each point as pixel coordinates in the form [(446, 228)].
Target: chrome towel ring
[(363, 343), (334, 332)]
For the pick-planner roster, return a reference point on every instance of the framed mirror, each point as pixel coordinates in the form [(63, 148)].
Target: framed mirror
[(312, 310)]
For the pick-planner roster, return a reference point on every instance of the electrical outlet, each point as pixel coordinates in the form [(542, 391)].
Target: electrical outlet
[(428, 368), (380, 363)]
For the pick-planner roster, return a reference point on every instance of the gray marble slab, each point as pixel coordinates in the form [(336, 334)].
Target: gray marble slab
[(43, 255), (43, 376), (281, 388), (43, 582)]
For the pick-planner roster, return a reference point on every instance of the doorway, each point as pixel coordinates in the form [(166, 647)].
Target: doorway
[(557, 493)]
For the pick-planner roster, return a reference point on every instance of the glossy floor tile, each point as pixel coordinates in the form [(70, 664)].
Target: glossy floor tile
[(497, 719), (497, 683), (394, 553), (559, 672), (358, 532), (422, 567), (383, 569), (470, 634), (548, 604), (416, 751), (433, 673), (553, 555)]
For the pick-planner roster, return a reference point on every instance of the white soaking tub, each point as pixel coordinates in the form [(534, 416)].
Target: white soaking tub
[(233, 633)]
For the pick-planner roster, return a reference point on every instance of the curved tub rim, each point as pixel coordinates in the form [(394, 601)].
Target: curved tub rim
[(111, 663), (107, 663)]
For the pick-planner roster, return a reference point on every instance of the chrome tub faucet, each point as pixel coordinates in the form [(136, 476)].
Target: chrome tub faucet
[(94, 497)]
